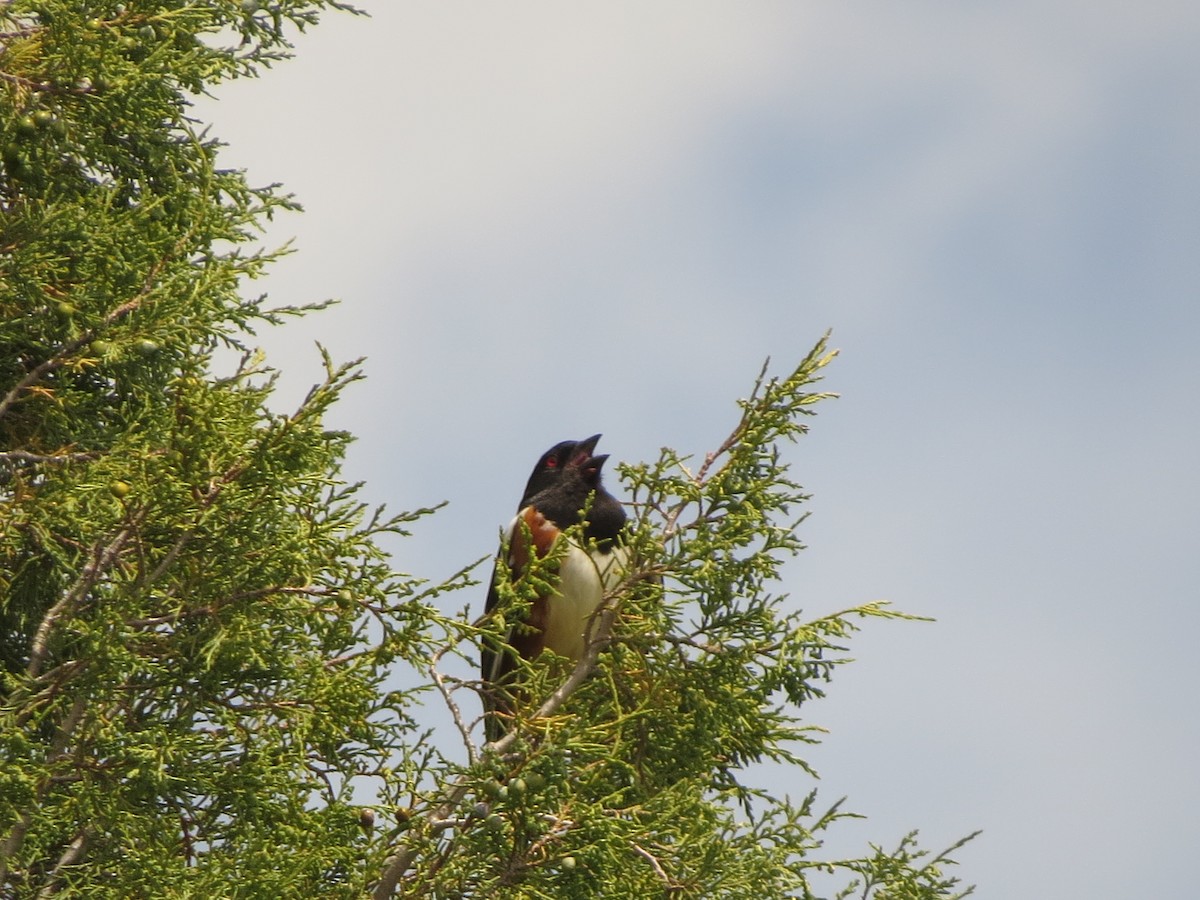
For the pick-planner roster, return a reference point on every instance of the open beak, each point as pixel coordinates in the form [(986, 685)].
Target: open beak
[(583, 452)]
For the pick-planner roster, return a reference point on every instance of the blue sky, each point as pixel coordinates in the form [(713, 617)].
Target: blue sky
[(549, 220)]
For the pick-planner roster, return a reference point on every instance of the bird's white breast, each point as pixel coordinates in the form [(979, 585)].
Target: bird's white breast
[(583, 579)]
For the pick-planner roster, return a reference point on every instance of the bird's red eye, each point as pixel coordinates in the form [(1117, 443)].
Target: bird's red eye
[(551, 463)]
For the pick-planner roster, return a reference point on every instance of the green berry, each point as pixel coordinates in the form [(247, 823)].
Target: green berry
[(146, 347), (14, 162), (42, 118), (568, 863), (99, 347), (491, 789), (493, 823), (65, 309), (119, 489)]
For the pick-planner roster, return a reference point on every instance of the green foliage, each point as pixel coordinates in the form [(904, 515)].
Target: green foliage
[(643, 755), (200, 636), (186, 696)]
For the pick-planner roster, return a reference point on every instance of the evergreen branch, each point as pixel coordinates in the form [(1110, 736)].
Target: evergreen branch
[(103, 559), (600, 637), (27, 83), (74, 852), (68, 348), (735, 437), (396, 866), (57, 458), (440, 681), (196, 683), (62, 354), (213, 608), (656, 866), (62, 736)]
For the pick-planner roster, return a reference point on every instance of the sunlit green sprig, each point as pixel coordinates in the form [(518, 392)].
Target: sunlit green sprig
[(210, 674), (191, 655), (644, 754)]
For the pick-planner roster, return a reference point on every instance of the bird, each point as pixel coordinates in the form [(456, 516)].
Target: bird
[(560, 619)]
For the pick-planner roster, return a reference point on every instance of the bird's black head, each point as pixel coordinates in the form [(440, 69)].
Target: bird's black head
[(556, 460), (560, 485)]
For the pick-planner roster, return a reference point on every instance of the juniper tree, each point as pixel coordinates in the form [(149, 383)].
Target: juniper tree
[(213, 680)]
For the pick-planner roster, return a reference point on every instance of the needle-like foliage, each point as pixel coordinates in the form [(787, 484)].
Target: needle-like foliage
[(210, 677)]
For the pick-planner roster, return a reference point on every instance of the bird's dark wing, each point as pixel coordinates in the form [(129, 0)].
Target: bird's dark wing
[(496, 664), (529, 533)]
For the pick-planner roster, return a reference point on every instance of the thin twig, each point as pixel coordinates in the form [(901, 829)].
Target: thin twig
[(654, 864), (16, 838), (102, 560), (74, 852), (735, 436), (440, 681), (61, 458)]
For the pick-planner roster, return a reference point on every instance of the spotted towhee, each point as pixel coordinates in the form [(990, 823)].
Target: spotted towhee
[(558, 620)]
